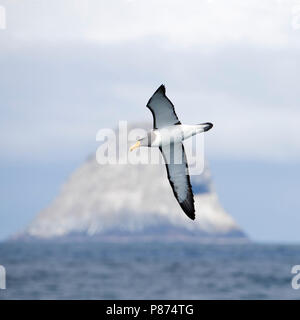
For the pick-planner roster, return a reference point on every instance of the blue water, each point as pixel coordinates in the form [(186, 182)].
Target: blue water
[(148, 271)]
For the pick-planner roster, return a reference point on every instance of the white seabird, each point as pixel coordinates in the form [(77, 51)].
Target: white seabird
[(167, 134)]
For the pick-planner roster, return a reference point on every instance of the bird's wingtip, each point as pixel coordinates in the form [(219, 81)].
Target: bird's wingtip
[(161, 89), (188, 209)]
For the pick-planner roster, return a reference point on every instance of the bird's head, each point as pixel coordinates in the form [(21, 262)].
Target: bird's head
[(135, 146), (144, 142)]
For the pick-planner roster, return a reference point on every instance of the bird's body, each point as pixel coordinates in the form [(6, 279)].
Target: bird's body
[(168, 134), (171, 134)]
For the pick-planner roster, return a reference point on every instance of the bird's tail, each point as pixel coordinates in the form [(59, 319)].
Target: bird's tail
[(205, 126)]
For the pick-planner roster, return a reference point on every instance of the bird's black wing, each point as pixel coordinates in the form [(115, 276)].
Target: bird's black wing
[(162, 109), (178, 175)]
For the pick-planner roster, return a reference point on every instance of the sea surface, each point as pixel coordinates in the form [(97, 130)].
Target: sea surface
[(148, 271)]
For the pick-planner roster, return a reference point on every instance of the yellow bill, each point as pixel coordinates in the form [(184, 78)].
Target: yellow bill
[(138, 143)]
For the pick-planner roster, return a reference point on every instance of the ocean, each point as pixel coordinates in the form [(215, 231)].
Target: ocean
[(91, 270)]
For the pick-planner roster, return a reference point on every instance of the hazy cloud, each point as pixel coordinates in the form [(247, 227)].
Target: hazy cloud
[(69, 68)]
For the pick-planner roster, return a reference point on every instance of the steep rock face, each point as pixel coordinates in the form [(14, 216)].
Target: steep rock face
[(126, 200)]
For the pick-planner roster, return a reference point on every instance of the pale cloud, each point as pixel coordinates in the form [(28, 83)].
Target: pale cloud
[(70, 68), (179, 23)]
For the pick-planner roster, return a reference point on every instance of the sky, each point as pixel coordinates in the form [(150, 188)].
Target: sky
[(70, 68)]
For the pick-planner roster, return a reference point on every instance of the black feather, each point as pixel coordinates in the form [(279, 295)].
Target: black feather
[(188, 204)]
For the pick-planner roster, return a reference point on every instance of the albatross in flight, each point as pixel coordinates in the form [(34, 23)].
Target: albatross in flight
[(167, 134)]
